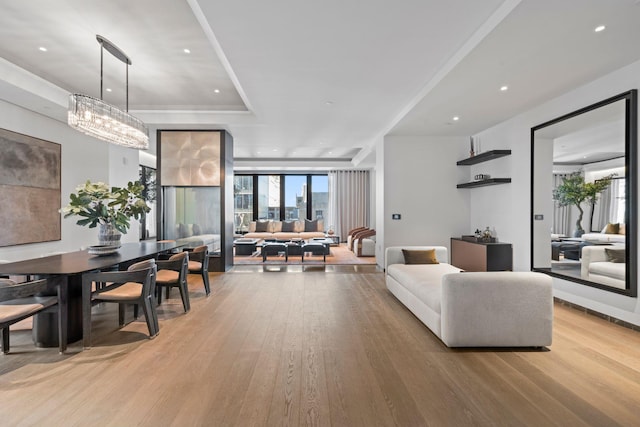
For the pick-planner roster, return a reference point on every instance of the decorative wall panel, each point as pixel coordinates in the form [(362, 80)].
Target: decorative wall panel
[(190, 158), (29, 189)]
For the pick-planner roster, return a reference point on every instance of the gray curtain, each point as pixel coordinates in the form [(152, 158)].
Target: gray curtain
[(604, 207), (561, 214), (349, 200)]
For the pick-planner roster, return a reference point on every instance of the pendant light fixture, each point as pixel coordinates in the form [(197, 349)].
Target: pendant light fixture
[(96, 118)]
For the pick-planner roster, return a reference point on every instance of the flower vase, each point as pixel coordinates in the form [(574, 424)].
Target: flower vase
[(108, 235)]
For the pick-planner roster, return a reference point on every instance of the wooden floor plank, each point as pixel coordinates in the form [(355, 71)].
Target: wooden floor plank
[(316, 346)]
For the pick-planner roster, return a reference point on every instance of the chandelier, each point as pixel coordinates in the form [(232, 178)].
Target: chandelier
[(96, 118)]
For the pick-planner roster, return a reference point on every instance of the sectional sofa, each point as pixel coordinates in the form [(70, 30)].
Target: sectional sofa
[(489, 309), (285, 230)]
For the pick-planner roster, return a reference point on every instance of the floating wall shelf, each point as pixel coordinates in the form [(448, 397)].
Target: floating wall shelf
[(484, 157), (484, 182)]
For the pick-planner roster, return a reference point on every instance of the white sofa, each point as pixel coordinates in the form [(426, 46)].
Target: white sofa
[(596, 268), (489, 309)]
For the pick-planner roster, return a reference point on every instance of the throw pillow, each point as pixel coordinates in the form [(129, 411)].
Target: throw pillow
[(288, 226), (262, 226), (196, 229), (310, 225), (427, 256), (612, 229), (615, 255)]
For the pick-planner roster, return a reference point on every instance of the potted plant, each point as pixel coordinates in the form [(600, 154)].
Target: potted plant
[(574, 191), (110, 208)]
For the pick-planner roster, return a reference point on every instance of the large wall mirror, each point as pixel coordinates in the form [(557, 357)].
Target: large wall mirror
[(584, 195)]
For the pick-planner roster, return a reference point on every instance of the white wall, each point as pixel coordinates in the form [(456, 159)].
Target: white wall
[(82, 158), (419, 179), (509, 211)]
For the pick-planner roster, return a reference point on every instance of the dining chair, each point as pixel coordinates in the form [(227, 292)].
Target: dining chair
[(135, 286), (20, 301), (172, 273), (199, 264)]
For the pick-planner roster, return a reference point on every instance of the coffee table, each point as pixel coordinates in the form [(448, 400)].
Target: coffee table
[(245, 246)]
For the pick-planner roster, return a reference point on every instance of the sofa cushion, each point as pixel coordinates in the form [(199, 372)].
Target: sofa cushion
[(310, 225), (196, 229), (611, 229), (427, 256), (288, 227), (423, 281), (275, 226), (262, 226), (615, 255), (622, 229)]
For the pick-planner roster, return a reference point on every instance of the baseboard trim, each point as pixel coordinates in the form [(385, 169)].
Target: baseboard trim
[(597, 314)]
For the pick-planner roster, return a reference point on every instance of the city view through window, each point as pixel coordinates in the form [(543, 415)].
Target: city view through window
[(279, 197)]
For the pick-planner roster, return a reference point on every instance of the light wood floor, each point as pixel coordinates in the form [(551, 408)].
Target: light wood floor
[(317, 348)]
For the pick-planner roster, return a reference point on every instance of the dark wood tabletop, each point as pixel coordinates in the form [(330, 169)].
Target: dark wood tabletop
[(82, 261)]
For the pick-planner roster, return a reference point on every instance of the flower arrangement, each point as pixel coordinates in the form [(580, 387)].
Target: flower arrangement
[(96, 203)]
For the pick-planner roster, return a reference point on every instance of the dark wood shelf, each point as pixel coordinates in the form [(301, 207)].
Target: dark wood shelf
[(484, 182), (484, 157)]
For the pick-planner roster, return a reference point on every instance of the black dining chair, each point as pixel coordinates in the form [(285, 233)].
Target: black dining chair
[(199, 264), (135, 286), (19, 301), (172, 273)]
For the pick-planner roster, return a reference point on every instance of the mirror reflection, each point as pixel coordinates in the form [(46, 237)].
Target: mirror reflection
[(580, 186)]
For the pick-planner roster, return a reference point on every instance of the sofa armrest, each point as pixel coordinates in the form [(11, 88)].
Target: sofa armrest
[(497, 309), (591, 254)]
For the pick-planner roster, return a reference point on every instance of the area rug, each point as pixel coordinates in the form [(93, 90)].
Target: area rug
[(340, 255)]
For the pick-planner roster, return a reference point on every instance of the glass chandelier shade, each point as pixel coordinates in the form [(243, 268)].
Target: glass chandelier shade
[(96, 118)]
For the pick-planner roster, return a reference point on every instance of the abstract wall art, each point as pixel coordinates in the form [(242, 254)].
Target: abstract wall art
[(29, 189)]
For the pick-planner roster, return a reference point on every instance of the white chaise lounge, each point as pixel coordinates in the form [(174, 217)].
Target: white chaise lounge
[(492, 309)]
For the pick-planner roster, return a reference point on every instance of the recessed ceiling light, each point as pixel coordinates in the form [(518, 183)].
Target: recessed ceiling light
[(216, 90), (42, 49), (456, 118), (599, 28), (504, 88), (330, 152), (186, 50), (328, 103), (275, 149), (108, 89)]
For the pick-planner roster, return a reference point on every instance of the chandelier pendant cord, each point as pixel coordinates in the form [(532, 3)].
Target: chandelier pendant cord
[(120, 55)]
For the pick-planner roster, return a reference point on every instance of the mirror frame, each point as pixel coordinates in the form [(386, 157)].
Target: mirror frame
[(631, 191)]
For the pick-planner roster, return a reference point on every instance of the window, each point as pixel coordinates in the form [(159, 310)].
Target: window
[(269, 197), (320, 196), (147, 177), (243, 202), (295, 197), (280, 197)]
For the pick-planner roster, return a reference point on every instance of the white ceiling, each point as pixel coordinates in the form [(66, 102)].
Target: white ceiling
[(307, 84)]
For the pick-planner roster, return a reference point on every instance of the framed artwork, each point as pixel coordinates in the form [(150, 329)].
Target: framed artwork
[(29, 189)]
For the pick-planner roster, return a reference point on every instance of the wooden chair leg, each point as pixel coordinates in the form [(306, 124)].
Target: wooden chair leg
[(148, 314), (5, 340), (184, 293), (121, 314), (205, 279), (136, 313)]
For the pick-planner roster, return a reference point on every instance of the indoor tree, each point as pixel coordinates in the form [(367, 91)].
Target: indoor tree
[(574, 191)]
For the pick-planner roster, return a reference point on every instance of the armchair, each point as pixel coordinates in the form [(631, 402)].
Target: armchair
[(20, 301), (134, 286), (363, 244), (172, 273), (350, 235), (199, 263)]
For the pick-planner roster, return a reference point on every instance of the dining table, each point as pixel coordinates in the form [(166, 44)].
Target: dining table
[(67, 270)]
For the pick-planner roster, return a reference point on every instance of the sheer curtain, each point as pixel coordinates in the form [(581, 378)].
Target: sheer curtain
[(561, 214), (349, 192)]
